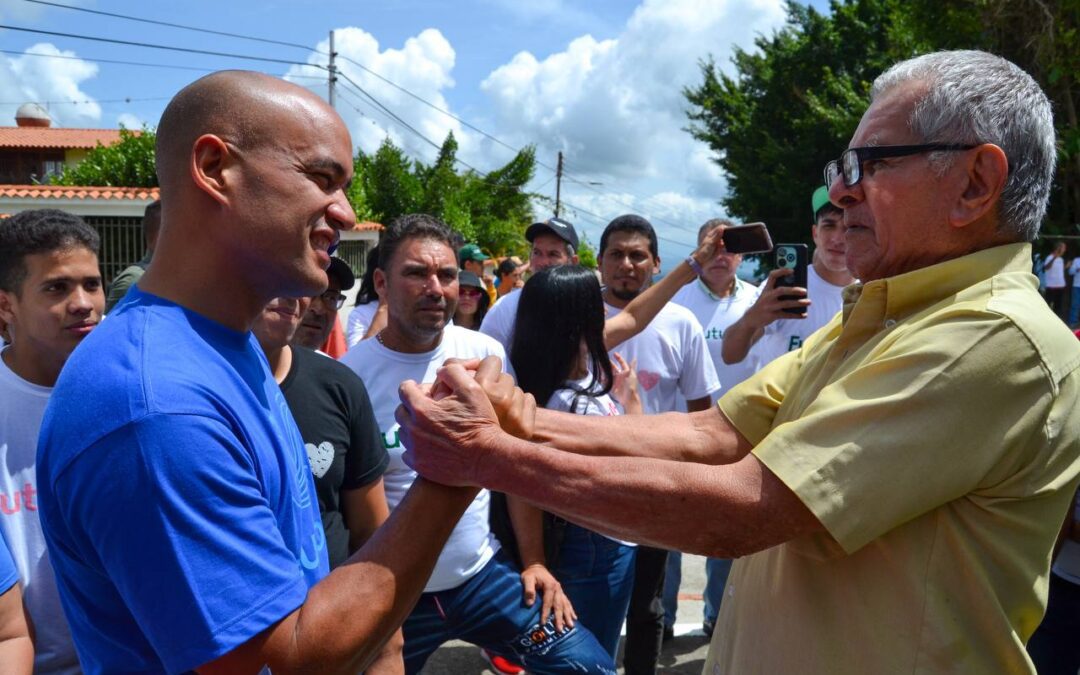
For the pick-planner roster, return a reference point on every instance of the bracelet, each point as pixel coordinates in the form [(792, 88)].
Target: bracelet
[(694, 265)]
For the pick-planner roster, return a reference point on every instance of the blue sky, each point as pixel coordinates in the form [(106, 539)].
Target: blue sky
[(599, 80)]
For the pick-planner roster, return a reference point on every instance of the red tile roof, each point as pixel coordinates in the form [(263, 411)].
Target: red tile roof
[(73, 192), (41, 137), (367, 226)]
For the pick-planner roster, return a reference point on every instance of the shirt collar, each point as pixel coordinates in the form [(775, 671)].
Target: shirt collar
[(908, 293), (738, 286)]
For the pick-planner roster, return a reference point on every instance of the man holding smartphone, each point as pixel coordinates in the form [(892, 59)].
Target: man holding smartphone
[(766, 330)]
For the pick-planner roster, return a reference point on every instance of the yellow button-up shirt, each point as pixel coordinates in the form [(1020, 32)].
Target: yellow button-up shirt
[(932, 428)]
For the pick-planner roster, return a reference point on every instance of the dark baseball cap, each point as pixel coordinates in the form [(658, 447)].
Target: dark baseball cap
[(557, 226), (340, 270)]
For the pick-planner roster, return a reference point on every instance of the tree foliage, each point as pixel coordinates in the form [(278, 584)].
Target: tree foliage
[(126, 163), (491, 209), (793, 103)]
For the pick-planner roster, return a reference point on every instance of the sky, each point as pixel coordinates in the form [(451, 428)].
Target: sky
[(600, 81)]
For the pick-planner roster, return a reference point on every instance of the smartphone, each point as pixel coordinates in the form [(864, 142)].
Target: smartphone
[(750, 238), (793, 257)]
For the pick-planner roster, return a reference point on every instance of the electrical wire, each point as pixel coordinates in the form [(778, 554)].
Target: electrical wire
[(132, 43)]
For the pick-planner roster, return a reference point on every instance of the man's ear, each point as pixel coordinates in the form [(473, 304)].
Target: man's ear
[(984, 172), (379, 277), (656, 266), (212, 166), (7, 306)]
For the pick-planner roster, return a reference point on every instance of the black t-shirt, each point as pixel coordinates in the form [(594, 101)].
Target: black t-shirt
[(332, 409)]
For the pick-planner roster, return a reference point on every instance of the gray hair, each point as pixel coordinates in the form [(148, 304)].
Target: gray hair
[(710, 225), (975, 97)]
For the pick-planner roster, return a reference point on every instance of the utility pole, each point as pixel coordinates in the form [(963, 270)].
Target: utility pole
[(331, 70), (558, 184)]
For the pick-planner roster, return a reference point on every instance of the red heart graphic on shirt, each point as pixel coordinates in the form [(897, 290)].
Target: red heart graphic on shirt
[(648, 379)]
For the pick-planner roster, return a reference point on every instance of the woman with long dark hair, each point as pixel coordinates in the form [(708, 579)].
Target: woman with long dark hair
[(362, 323), (560, 357)]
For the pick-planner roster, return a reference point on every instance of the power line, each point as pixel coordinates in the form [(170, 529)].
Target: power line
[(171, 25), (131, 43), (89, 101), (604, 221), (94, 60)]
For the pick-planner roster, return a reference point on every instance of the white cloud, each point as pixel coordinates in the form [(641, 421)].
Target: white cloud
[(615, 107), (422, 66), (57, 80), (129, 121)]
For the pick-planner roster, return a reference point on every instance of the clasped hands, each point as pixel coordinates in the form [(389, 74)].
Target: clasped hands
[(450, 426)]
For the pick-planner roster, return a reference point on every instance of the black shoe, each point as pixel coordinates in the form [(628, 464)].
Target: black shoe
[(669, 633), (708, 627)]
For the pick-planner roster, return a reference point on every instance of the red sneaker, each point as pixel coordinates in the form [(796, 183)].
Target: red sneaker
[(500, 664)]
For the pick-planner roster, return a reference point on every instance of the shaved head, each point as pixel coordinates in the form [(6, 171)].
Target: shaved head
[(241, 107)]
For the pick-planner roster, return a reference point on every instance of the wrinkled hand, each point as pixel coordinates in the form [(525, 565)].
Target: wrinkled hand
[(624, 386), (536, 578), (769, 307), (712, 244), (448, 428)]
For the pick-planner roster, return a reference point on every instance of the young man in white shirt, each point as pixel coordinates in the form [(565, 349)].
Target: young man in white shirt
[(1074, 303), (766, 331), (554, 242), (673, 366), (51, 297), (475, 592)]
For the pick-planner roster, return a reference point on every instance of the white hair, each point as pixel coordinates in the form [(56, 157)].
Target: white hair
[(975, 97)]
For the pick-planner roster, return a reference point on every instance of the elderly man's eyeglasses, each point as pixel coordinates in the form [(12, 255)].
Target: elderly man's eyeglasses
[(851, 160), (334, 299)]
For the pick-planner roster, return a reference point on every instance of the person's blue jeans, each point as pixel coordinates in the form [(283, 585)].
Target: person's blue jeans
[(488, 611), (1074, 306), (597, 574), (716, 574)]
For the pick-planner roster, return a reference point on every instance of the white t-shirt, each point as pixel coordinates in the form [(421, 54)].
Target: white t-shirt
[(1074, 270), (499, 320), (22, 405), (673, 363), (471, 545), (786, 335), (357, 324), (1055, 274), (715, 314)]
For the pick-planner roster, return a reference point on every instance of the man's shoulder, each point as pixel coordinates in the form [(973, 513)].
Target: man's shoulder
[(1015, 299)]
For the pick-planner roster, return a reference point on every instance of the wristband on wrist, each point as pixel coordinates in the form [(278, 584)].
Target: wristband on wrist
[(694, 265)]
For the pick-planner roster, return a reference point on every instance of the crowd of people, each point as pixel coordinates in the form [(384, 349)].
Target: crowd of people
[(881, 468)]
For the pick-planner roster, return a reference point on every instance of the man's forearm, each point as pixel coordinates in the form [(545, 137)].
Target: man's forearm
[(739, 337), (375, 589), (742, 508), (705, 437), (644, 308)]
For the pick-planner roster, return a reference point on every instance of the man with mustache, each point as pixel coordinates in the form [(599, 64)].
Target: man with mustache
[(51, 298), (476, 592)]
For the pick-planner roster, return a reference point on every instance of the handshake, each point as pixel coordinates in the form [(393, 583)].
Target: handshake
[(450, 426)]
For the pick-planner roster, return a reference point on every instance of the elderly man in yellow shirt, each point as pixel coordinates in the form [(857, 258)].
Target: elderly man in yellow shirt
[(893, 488)]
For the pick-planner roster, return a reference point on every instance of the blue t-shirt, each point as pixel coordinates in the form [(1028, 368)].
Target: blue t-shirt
[(9, 574), (175, 492)]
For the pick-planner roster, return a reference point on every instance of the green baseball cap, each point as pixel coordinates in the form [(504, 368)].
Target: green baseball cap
[(820, 199), (471, 252)]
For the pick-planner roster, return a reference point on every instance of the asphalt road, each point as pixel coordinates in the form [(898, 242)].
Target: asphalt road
[(684, 655)]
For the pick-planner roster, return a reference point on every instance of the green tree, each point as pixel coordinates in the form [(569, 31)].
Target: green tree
[(126, 163), (793, 103), (491, 209)]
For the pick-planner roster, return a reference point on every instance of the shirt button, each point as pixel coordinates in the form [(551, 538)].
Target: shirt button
[(889, 323)]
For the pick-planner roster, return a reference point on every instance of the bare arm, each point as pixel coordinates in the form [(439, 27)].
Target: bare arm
[(646, 500), (528, 522), (376, 589), (740, 336), (16, 646), (364, 510), (706, 437), (644, 308)]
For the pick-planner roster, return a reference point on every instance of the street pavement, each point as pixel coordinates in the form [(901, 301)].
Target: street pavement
[(683, 655)]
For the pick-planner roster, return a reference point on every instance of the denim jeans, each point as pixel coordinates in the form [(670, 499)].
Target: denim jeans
[(488, 611), (716, 574), (1074, 307), (597, 575)]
